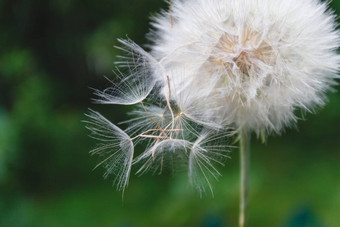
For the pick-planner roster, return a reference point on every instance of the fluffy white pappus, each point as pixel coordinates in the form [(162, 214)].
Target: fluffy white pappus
[(205, 153), (189, 102), (171, 138), (257, 61), (167, 153), (215, 65), (145, 118), (135, 74), (116, 148)]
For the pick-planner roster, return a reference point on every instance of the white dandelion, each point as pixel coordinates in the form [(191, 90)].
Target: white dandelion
[(253, 61), (256, 60), (216, 68)]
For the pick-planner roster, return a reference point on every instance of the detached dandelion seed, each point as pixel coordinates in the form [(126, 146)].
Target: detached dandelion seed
[(218, 68)]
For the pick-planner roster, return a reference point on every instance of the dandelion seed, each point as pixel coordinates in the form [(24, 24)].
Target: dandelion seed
[(135, 84), (205, 154), (115, 148), (169, 152)]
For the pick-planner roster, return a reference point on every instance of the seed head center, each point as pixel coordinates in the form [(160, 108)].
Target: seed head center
[(243, 52)]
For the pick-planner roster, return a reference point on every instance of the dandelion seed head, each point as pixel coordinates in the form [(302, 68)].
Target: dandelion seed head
[(257, 60), (215, 67)]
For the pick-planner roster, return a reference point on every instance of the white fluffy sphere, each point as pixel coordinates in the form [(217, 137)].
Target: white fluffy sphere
[(247, 63)]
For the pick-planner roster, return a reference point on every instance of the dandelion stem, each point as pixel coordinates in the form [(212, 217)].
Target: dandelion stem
[(244, 176)]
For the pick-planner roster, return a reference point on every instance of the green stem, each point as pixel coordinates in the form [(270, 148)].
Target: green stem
[(244, 176)]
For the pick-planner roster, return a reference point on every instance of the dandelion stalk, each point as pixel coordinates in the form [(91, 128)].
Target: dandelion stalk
[(244, 176)]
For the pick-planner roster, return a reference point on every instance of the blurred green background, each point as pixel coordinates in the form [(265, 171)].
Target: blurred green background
[(51, 52)]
